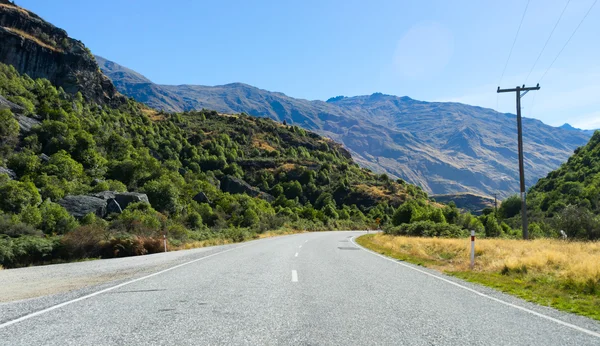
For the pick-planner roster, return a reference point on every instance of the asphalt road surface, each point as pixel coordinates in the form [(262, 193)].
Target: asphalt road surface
[(305, 289)]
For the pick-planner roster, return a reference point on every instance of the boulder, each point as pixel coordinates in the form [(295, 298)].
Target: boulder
[(15, 108), (26, 123), (201, 198), (122, 199), (112, 206), (79, 206), (45, 158), (11, 174), (236, 185)]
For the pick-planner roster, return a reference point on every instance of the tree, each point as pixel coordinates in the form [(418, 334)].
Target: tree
[(16, 195), (9, 132), (23, 163), (64, 167), (492, 229), (404, 213), (436, 215), (293, 189), (163, 195), (55, 219), (510, 207)]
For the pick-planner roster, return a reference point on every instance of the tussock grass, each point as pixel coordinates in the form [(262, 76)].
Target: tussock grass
[(564, 275), (34, 39)]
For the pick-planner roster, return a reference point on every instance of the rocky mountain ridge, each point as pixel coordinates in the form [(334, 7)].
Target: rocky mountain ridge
[(443, 147)]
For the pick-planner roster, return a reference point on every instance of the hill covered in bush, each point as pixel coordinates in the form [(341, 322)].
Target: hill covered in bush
[(569, 198), (75, 177)]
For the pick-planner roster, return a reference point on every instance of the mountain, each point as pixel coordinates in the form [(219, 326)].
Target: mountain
[(86, 172), (443, 147), (467, 201), (568, 126), (41, 50)]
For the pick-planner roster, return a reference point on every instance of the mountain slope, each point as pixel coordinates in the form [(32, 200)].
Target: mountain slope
[(569, 197), (443, 147)]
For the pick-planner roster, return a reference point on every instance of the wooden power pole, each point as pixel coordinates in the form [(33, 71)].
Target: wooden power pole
[(520, 92)]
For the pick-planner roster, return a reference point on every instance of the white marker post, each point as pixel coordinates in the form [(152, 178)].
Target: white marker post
[(165, 241), (472, 249)]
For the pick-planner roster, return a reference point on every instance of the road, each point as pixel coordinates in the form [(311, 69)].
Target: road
[(304, 289)]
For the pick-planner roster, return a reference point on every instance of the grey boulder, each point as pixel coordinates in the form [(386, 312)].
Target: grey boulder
[(80, 206), (11, 174)]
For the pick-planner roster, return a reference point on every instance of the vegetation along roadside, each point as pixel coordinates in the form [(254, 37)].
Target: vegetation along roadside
[(562, 274)]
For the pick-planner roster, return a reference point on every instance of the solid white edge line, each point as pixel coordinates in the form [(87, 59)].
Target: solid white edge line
[(296, 255), (566, 324), (54, 307), (294, 276)]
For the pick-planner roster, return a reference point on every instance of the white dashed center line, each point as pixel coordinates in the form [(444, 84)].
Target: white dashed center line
[(294, 276), (296, 255)]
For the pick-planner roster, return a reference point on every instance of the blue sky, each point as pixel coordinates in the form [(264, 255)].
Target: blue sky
[(432, 50)]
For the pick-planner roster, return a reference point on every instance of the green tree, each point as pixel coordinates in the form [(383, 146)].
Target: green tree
[(9, 132), (64, 167), (492, 228), (16, 195), (510, 207), (163, 195), (55, 219), (405, 213)]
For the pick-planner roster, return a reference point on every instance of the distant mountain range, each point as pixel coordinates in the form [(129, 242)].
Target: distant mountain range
[(443, 147)]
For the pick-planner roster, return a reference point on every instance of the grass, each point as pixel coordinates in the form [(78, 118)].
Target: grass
[(34, 39), (224, 241), (563, 275)]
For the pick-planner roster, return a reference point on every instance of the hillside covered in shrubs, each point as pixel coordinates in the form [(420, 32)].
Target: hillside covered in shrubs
[(569, 198), (79, 179)]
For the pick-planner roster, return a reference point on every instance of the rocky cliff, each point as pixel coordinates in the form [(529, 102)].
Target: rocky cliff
[(41, 50)]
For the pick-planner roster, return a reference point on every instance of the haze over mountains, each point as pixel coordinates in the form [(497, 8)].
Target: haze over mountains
[(443, 147)]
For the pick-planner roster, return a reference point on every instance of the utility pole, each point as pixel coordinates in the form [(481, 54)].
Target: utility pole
[(520, 92), (496, 205)]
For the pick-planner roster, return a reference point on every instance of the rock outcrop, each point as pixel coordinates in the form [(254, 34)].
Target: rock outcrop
[(201, 198), (80, 206), (101, 204), (236, 185), (41, 50), (118, 201), (11, 174)]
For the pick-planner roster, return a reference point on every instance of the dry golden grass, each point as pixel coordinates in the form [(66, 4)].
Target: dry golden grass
[(22, 10), (574, 261), (34, 39), (262, 144)]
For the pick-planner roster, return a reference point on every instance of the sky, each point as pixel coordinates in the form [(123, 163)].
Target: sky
[(431, 50)]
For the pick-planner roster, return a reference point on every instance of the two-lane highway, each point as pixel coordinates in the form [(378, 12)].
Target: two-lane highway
[(305, 289)]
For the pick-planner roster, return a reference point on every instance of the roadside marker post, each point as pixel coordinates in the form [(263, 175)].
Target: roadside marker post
[(472, 249), (165, 241)]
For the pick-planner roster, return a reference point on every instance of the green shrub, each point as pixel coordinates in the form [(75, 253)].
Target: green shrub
[(427, 229), (55, 219)]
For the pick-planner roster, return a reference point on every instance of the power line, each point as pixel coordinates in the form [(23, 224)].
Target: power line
[(570, 37), (548, 40), (514, 41)]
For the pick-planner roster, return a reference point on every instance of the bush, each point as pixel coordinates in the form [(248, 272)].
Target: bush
[(427, 229), (28, 250), (140, 219), (13, 227), (85, 241), (16, 195), (55, 219)]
